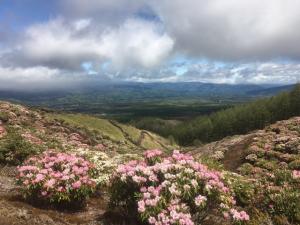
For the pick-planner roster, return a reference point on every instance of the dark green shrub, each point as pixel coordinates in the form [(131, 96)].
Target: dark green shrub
[(280, 220), (266, 164), (4, 117), (282, 176), (295, 165), (286, 202), (211, 163), (244, 191), (246, 169), (15, 149)]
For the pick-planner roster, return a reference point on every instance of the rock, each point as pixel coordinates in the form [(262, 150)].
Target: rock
[(12, 115), (251, 157), (283, 165), (218, 155), (293, 146), (23, 214)]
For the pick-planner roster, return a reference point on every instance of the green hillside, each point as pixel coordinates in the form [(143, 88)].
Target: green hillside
[(236, 120)]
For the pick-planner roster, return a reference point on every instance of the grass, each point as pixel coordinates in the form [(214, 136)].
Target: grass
[(149, 144), (105, 127), (113, 130), (132, 132)]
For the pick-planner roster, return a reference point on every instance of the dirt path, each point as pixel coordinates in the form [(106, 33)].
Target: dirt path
[(141, 138)]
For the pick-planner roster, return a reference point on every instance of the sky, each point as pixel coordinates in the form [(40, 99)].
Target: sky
[(67, 43)]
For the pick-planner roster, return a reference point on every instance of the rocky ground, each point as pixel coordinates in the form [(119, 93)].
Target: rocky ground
[(278, 145), (266, 159)]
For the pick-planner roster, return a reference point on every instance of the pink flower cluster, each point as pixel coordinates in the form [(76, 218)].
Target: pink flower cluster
[(199, 200), (55, 176), (152, 153), (2, 130), (176, 213), (296, 174), (170, 187), (239, 216)]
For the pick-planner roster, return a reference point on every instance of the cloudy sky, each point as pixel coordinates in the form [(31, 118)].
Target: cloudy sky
[(62, 43)]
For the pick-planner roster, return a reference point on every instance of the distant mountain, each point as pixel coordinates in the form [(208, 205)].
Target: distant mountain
[(271, 90), (129, 100), (135, 92)]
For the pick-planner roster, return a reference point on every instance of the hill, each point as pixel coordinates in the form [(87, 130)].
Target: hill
[(271, 90), (267, 158), (78, 130), (259, 166), (239, 119)]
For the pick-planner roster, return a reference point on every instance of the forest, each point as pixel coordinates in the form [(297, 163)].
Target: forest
[(239, 119)]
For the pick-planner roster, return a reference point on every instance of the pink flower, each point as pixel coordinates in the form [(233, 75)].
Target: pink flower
[(52, 171), (143, 189), (26, 182), (152, 153), (200, 200), (226, 215), (147, 195), (76, 185), (239, 216), (296, 174), (141, 206), (65, 177), (60, 189), (39, 178), (152, 220), (167, 181), (50, 183)]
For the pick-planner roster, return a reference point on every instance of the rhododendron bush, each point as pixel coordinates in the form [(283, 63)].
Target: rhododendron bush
[(104, 164), (56, 177), (172, 190)]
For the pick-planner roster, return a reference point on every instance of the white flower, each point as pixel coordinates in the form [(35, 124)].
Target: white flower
[(200, 200)]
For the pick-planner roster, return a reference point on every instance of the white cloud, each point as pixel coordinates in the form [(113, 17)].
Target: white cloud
[(115, 39), (233, 29), (136, 43), (33, 78), (211, 72), (61, 44), (216, 29), (255, 73)]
